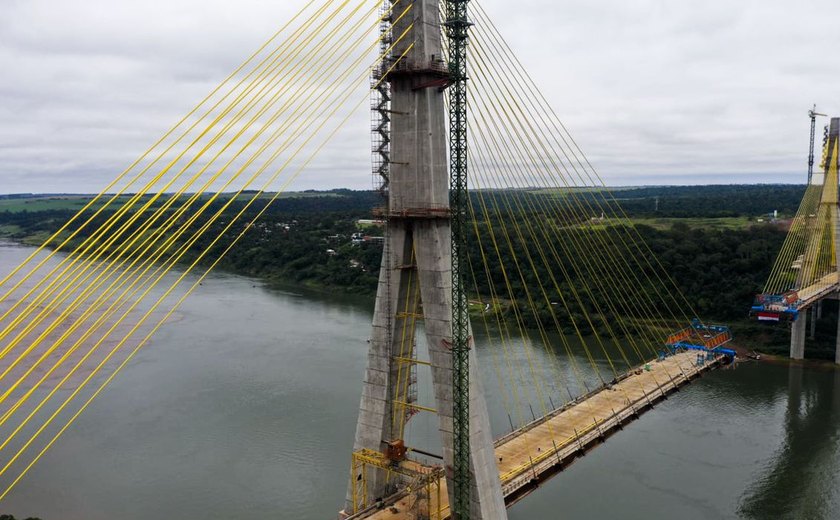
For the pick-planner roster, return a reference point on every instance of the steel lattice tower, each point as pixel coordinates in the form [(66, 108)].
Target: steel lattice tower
[(457, 27)]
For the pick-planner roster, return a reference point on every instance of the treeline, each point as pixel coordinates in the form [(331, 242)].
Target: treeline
[(307, 240), (735, 200), (288, 243)]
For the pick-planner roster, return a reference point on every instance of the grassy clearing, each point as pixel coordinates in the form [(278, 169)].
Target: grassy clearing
[(717, 223), (36, 239), (77, 202), (47, 203), (485, 308), (369, 226), (664, 224), (565, 192), (9, 230)]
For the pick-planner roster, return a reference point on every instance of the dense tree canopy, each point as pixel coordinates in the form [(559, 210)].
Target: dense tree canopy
[(307, 240)]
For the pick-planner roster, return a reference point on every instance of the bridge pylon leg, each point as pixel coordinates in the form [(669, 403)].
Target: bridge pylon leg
[(837, 347), (797, 336)]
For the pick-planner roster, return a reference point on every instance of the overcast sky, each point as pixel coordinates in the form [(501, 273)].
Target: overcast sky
[(656, 92)]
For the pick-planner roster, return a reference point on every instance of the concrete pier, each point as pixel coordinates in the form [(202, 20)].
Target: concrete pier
[(837, 344), (797, 336)]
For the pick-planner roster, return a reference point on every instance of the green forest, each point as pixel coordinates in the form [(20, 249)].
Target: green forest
[(718, 243)]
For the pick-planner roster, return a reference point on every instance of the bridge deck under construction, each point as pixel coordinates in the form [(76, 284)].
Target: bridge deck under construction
[(530, 455), (819, 289)]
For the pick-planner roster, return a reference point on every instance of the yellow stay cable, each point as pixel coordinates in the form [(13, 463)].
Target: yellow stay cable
[(509, 98), (137, 235), (537, 381), (508, 391), (180, 301), (155, 258), (561, 131), (502, 324), (783, 276), (113, 238), (793, 244), (116, 196), (495, 143), (536, 240), (187, 225), (479, 178), (549, 352), (499, 159), (489, 157), (104, 229)]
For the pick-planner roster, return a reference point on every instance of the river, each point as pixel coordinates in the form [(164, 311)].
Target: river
[(245, 408)]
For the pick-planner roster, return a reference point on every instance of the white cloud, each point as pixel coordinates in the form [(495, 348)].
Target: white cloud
[(685, 92), (654, 91)]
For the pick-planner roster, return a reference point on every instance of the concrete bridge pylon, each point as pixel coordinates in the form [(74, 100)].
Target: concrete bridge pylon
[(416, 283), (813, 288)]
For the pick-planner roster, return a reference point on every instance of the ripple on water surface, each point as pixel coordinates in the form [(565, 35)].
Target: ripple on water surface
[(246, 407)]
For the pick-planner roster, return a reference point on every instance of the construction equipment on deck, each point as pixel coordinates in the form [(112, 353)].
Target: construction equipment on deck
[(698, 336)]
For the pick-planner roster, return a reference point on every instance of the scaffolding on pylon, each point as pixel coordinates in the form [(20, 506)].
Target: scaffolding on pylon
[(421, 493), (380, 104)]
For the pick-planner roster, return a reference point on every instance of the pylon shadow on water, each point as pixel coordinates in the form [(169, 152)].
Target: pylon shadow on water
[(800, 478)]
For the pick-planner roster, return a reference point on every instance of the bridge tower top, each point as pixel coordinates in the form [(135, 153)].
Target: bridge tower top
[(830, 141), (829, 165)]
